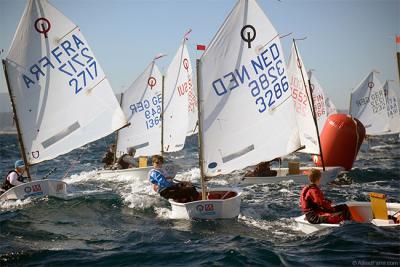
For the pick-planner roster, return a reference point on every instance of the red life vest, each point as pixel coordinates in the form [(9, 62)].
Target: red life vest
[(306, 202)]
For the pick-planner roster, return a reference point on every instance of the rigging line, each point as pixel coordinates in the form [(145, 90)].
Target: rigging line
[(74, 162)]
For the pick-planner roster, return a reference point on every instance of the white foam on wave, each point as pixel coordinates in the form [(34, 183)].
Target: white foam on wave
[(278, 228), (138, 194), (14, 204), (382, 147), (80, 177), (163, 213)]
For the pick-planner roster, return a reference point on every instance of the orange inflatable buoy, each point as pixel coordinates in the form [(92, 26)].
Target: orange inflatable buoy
[(341, 139)]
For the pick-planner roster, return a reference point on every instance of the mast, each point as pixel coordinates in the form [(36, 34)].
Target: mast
[(21, 142), (200, 135), (162, 115), (117, 135), (398, 63), (311, 105)]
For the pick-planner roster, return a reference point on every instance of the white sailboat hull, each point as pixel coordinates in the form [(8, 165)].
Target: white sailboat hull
[(328, 176), (40, 188), (226, 208), (363, 213), (138, 173)]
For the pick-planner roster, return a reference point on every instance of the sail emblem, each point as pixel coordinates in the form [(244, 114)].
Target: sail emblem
[(186, 64), (212, 165), (35, 154), (249, 37), (42, 25), (371, 85), (151, 82)]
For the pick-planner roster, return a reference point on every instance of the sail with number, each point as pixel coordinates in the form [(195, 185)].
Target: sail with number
[(302, 98), (62, 97), (393, 107), (368, 104), (246, 109), (330, 107), (193, 110), (142, 104), (178, 82), (323, 106)]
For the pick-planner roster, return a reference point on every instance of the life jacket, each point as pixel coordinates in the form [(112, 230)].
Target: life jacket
[(122, 163), (158, 180), (306, 203), (108, 158), (6, 184)]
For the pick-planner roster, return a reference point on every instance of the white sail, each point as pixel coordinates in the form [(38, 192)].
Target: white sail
[(247, 113), (178, 82), (368, 104), (301, 98), (393, 107), (330, 107), (320, 101), (142, 103), (62, 96), (193, 110)]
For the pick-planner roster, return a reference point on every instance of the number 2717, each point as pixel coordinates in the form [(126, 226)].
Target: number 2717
[(79, 82)]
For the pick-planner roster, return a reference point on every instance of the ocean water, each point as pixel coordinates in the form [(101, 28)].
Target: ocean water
[(121, 222)]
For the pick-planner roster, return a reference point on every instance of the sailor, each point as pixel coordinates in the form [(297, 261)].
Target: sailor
[(166, 187), (108, 157), (14, 177), (318, 209), (127, 160), (263, 169)]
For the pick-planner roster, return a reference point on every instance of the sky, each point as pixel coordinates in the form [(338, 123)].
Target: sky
[(346, 39)]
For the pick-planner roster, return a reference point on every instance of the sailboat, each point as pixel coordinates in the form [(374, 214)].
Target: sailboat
[(307, 111), (323, 106), (60, 96), (246, 112), (368, 104), (158, 109), (393, 107), (361, 213), (142, 104)]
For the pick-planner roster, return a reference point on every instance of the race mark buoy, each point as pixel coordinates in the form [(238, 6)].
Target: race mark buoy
[(341, 139)]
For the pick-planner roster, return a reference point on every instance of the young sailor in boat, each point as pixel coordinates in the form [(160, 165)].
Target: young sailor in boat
[(14, 177), (263, 169), (108, 157), (318, 209), (126, 160), (166, 187)]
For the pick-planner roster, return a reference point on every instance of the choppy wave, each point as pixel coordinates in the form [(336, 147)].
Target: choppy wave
[(120, 221)]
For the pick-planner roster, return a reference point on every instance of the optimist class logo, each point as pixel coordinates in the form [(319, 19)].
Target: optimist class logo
[(151, 82), (42, 25)]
